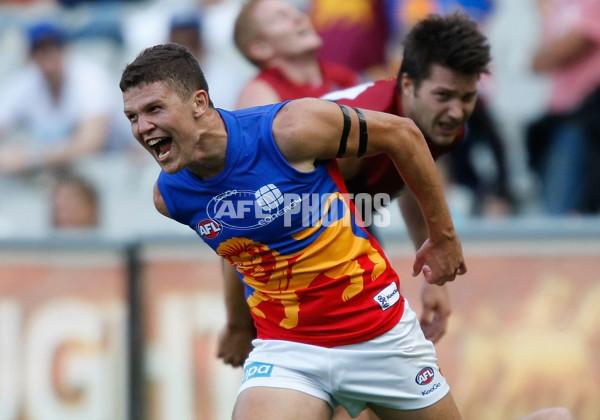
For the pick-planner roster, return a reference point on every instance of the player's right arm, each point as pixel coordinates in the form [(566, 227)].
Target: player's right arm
[(235, 340)]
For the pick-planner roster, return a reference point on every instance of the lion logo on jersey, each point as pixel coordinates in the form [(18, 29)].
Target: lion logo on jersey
[(274, 276)]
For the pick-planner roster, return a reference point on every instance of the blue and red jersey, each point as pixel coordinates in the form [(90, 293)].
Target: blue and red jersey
[(312, 273)]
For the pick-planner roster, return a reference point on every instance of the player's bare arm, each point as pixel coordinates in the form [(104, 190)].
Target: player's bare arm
[(436, 300), (235, 340), (440, 257), (257, 92), (159, 202)]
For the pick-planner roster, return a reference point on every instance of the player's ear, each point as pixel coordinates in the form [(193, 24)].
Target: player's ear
[(260, 51), (201, 102), (408, 84)]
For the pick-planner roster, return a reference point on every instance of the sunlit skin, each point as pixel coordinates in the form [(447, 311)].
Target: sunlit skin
[(286, 31), (442, 104), (156, 112)]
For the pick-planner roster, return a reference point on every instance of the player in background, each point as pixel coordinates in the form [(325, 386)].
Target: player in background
[(281, 41)]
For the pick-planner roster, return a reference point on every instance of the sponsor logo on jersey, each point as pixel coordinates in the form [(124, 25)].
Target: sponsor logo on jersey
[(388, 297), (208, 228), (425, 376), (257, 370), (433, 388), (246, 209), (269, 197)]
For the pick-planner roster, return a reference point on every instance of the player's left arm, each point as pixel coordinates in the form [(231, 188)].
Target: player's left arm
[(309, 130), (435, 299)]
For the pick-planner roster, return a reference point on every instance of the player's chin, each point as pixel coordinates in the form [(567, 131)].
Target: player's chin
[(170, 166), (445, 138)]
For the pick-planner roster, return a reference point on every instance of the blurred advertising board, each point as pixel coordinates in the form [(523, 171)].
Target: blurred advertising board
[(523, 332), (62, 334)]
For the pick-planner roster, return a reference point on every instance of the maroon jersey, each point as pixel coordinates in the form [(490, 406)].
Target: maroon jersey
[(377, 174), (335, 76)]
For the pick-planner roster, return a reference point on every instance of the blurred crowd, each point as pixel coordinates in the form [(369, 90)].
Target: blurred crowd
[(69, 164)]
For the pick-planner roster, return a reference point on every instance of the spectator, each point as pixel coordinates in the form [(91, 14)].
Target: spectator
[(479, 165), (74, 204), (57, 113), (564, 144), (187, 29), (50, 101)]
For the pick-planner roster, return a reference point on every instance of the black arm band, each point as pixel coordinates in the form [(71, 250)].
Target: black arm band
[(345, 132), (364, 134)]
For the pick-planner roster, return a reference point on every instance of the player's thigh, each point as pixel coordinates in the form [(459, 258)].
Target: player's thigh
[(266, 403), (444, 409)]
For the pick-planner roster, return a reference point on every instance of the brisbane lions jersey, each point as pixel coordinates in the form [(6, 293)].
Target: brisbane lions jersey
[(312, 274), (377, 174)]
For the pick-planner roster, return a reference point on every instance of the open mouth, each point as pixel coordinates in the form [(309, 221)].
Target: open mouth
[(161, 147), (449, 128)]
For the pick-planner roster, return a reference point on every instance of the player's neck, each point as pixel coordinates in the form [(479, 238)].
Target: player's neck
[(302, 70), (210, 152)]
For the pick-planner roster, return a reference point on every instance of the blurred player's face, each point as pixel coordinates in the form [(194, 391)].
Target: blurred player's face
[(442, 104), (285, 30), (164, 124)]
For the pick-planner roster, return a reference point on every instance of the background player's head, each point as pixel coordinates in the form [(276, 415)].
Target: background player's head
[(454, 41), (268, 30), (444, 57)]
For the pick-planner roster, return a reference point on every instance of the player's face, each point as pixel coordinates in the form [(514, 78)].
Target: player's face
[(442, 104), (286, 30), (162, 123)]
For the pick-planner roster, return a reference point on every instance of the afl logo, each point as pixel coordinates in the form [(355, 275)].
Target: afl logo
[(208, 228), (424, 376)]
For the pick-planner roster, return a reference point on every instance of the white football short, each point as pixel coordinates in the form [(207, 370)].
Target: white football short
[(398, 369)]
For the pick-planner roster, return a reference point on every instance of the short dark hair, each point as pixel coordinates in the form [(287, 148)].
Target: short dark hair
[(453, 40), (170, 63)]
